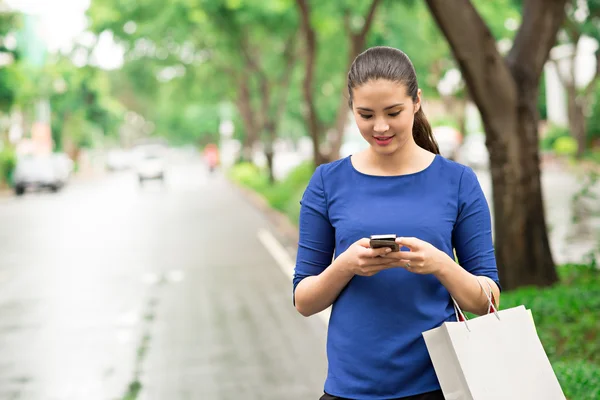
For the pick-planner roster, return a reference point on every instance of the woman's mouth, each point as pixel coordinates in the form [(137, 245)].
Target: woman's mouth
[(383, 140)]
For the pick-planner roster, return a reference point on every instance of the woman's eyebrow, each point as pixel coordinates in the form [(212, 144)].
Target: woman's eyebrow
[(387, 108)]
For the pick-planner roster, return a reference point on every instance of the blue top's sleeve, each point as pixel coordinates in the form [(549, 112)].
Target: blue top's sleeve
[(472, 234), (317, 237)]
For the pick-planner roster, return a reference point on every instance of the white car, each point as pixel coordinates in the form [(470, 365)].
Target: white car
[(41, 172), (150, 166)]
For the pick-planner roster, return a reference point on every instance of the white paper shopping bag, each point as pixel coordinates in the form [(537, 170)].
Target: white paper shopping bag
[(497, 356)]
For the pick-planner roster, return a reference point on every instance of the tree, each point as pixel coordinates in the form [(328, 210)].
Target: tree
[(576, 25), (506, 90), (356, 38), (232, 60)]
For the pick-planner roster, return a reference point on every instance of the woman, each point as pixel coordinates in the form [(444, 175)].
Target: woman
[(383, 300)]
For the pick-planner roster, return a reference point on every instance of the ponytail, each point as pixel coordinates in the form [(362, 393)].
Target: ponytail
[(423, 134)]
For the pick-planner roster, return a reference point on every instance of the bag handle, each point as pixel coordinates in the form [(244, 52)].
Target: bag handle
[(460, 316)]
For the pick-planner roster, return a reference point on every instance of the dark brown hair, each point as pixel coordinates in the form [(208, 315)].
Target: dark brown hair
[(393, 65)]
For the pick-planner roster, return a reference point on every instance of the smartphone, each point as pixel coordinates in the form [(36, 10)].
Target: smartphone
[(379, 241)]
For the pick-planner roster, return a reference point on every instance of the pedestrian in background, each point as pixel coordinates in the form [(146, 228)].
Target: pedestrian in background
[(382, 299)]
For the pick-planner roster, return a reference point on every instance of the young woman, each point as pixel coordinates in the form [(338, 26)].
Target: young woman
[(383, 300)]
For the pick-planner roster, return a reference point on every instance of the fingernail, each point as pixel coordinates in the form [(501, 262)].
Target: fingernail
[(388, 250)]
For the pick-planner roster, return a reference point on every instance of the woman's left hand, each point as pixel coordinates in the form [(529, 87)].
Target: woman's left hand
[(423, 257)]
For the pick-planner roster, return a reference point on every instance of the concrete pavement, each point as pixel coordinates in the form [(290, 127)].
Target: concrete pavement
[(109, 290)]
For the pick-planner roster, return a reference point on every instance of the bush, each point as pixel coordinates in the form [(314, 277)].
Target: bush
[(249, 175), (565, 146), (8, 161), (553, 134), (283, 196)]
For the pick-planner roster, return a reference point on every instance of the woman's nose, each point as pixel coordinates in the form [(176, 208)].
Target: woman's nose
[(381, 126)]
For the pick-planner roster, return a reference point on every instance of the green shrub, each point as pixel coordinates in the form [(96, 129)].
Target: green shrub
[(8, 161), (249, 175), (565, 146), (554, 133), (283, 196), (593, 120)]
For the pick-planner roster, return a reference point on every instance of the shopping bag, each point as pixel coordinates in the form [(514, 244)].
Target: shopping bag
[(498, 356)]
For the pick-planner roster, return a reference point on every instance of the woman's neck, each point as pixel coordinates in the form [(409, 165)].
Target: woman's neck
[(407, 160)]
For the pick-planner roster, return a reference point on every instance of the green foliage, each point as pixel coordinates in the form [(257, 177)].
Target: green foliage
[(565, 146), (8, 161), (283, 196), (554, 133), (446, 120), (593, 120), (579, 379), (249, 175), (566, 317)]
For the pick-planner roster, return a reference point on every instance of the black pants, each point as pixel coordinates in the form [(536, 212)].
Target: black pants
[(437, 395)]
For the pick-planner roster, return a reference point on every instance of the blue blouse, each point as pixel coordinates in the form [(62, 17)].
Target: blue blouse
[(375, 348)]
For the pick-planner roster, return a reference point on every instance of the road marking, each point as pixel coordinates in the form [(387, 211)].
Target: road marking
[(285, 262)]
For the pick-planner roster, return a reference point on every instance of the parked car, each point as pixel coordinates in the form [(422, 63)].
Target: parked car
[(41, 172), (474, 152)]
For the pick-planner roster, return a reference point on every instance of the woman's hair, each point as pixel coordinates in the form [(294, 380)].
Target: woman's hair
[(393, 65)]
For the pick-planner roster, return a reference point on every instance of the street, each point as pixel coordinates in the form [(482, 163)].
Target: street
[(108, 287), (111, 290)]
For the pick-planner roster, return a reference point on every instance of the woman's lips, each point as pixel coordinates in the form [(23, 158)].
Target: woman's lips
[(383, 140)]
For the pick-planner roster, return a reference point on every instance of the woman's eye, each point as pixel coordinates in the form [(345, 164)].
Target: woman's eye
[(364, 116), (394, 114)]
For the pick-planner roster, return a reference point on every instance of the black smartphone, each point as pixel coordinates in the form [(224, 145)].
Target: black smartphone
[(379, 241)]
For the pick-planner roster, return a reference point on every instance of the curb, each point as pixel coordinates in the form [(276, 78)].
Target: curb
[(286, 230)]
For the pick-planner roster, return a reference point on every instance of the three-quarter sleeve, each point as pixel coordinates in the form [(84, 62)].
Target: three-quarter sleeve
[(472, 234), (317, 236)]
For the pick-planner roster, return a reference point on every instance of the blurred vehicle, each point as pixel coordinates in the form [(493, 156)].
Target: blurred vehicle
[(41, 172), (474, 152), (150, 165), (449, 140), (118, 160), (64, 165)]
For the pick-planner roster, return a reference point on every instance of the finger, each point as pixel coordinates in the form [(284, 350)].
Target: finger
[(364, 242), (378, 267), (410, 242), (380, 261), (377, 252), (404, 255)]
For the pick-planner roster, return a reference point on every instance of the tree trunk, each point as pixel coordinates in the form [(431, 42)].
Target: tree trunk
[(314, 127), (244, 107), (270, 134), (576, 119), (505, 92), (355, 46)]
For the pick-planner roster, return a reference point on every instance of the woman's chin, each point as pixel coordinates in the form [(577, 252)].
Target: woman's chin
[(384, 150)]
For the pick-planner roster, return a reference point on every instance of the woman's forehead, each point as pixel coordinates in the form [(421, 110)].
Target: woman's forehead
[(380, 91)]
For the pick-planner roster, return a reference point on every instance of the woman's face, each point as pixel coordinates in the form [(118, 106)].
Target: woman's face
[(384, 114)]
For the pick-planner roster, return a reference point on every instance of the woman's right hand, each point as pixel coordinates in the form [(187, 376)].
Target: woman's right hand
[(361, 259)]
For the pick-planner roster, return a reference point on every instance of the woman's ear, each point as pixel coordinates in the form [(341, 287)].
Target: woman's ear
[(418, 102)]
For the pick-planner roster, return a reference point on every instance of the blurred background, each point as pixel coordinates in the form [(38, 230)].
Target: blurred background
[(153, 155)]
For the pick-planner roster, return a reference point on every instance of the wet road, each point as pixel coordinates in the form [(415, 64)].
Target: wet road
[(109, 290)]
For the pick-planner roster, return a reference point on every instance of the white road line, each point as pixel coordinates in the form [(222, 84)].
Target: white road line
[(285, 262)]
